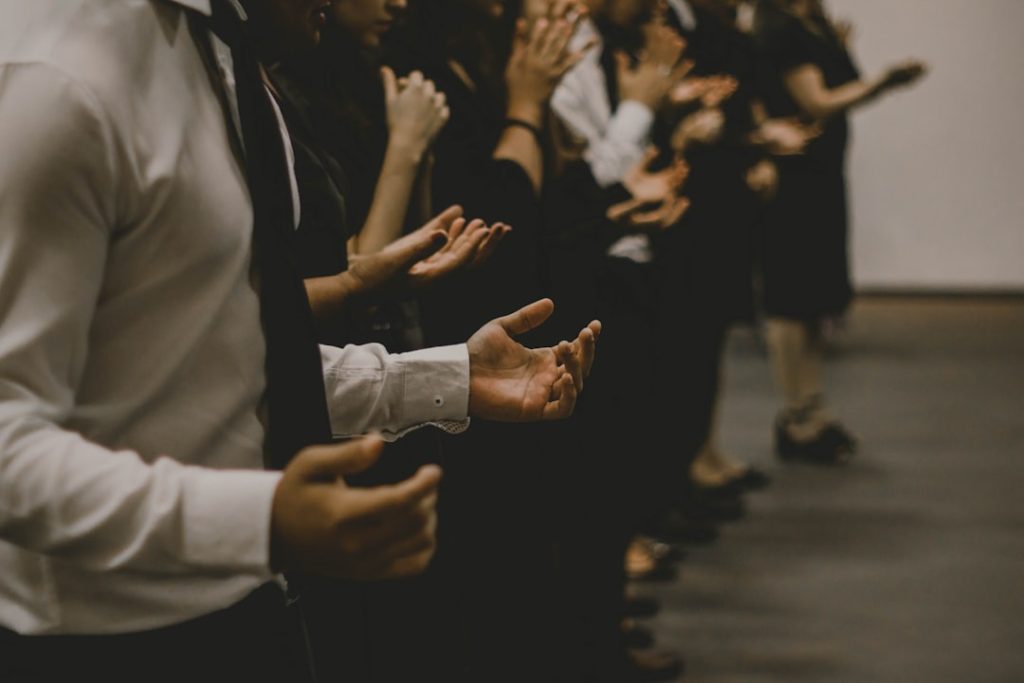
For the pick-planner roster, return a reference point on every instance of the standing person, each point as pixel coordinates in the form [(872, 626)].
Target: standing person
[(363, 143), (608, 106), (809, 73), (498, 556), (154, 347)]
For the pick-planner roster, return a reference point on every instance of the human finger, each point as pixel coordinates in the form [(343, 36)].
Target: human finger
[(329, 463), (528, 317), (390, 84), (371, 505), (490, 244), (564, 403), (569, 356)]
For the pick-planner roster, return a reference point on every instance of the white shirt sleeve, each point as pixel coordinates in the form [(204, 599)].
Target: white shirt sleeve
[(370, 389), (60, 494), (615, 142)]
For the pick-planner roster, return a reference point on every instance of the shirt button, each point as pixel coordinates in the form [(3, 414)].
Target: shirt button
[(438, 401)]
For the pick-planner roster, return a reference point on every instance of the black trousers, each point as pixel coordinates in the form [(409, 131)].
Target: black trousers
[(257, 640)]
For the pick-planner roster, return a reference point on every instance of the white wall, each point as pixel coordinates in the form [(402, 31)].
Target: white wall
[(937, 172)]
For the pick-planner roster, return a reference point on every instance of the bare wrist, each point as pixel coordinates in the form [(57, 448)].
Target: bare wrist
[(406, 152), (528, 112)]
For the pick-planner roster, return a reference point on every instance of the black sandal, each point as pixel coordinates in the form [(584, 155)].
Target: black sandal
[(833, 446)]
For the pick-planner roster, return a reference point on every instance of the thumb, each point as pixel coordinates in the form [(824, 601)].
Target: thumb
[(328, 463), (527, 318), (445, 219), (390, 83)]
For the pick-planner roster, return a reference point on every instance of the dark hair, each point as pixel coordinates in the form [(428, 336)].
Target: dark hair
[(462, 30)]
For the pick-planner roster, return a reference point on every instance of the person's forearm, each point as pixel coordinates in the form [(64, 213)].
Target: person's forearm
[(329, 296), (520, 145), (391, 199), (851, 95), (826, 103)]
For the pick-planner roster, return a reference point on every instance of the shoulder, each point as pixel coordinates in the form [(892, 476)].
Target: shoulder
[(96, 44)]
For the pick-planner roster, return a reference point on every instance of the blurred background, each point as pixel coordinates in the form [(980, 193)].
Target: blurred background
[(937, 173)]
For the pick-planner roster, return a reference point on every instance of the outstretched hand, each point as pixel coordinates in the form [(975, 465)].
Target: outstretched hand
[(786, 137), (428, 254), (656, 202), (511, 383)]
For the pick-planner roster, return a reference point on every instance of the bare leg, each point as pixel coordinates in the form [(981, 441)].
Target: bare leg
[(787, 345), (796, 351), (712, 467)]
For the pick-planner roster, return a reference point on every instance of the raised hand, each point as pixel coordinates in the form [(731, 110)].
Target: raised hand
[(719, 89), (905, 73), (383, 273), (416, 112), (467, 246), (540, 58), (656, 202), (424, 256), (510, 383), (657, 70), (704, 127), (320, 525)]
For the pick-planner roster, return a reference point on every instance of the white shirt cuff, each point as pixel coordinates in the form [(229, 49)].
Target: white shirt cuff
[(436, 389), (227, 519)]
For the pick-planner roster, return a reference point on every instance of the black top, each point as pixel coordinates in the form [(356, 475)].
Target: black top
[(466, 173), (805, 269), (785, 43)]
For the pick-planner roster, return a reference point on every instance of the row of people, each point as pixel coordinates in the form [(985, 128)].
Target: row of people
[(421, 166)]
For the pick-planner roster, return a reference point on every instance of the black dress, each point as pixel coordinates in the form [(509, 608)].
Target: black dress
[(805, 262)]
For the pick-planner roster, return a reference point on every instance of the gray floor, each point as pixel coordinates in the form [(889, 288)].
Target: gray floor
[(907, 565)]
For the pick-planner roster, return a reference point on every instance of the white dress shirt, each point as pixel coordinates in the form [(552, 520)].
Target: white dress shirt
[(614, 142), (131, 353)]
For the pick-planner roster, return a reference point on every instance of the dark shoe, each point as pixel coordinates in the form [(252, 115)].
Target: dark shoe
[(833, 446), (712, 509), (753, 479), (677, 528), (640, 607), (664, 551), (731, 489), (635, 636), (843, 436), (651, 666), (661, 571)]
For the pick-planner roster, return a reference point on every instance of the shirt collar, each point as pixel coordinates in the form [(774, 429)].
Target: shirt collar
[(203, 6)]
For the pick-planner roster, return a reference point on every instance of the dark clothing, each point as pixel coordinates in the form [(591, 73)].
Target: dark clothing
[(356, 629), (495, 521), (805, 262), (258, 640)]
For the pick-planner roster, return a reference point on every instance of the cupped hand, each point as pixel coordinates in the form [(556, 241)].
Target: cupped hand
[(511, 383), (320, 525), (786, 137)]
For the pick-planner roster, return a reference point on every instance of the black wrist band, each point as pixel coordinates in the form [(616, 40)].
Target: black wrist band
[(519, 123)]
